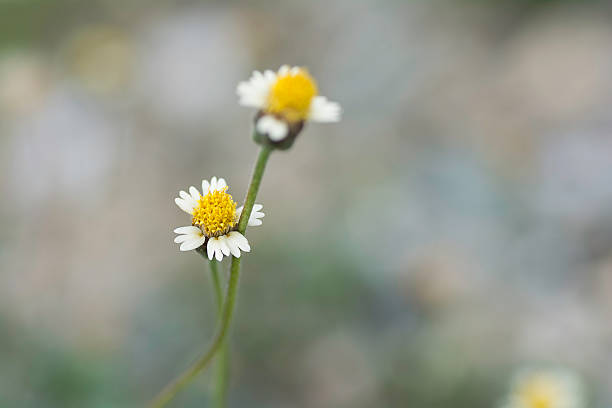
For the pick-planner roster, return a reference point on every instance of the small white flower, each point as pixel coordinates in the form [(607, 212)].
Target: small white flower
[(552, 388), (284, 98), (214, 219)]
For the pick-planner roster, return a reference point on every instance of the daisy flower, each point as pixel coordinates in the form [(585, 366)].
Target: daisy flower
[(546, 389), (214, 220), (285, 99)]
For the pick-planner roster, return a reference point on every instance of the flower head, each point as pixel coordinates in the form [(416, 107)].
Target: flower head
[(214, 220), (285, 99), (546, 389)]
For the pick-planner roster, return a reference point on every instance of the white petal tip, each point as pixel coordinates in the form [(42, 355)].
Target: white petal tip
[(274, 128)]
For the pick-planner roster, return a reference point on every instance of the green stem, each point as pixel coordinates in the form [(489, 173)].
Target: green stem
[(260, 166), (222, 375), (170, 391), (222, 369), (214, 273)]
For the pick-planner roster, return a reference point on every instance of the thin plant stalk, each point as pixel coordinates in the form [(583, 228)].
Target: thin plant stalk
[(214, 273), (170, 391), (222, 376), (222, 368)]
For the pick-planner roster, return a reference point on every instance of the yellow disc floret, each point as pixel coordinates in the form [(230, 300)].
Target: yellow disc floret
[(216, 213), (291, 94), (539, 393)]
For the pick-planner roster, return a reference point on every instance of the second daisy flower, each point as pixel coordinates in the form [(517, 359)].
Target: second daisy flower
[(286, 100)]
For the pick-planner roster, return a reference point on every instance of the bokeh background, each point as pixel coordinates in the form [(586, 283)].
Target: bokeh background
[(456, 225)]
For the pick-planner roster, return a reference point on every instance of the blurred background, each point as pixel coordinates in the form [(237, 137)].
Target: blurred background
[(456, 225)]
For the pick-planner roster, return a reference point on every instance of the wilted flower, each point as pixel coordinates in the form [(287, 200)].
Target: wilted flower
[(285, 99), (214, 222)]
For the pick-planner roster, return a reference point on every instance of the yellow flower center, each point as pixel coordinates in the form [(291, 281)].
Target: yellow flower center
[(291, 94), (215, 214), (539, 394)]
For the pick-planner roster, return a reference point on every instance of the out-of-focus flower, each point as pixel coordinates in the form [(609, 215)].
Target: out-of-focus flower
[(24, 83), (101, 58), (285, 99), (553, 388), (215, 218)]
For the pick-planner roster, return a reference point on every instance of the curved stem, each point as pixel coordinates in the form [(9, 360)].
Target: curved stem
[(228, 310), (168, 393)]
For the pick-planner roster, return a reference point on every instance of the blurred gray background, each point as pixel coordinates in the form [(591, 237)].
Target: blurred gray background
[(456, 225)]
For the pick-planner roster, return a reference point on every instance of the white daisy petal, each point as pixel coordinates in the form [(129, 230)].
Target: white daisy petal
[(233, 245), (241, 241), (322, 110), (189, 241), (190, 230), (195, 194), (254, 219), (279, 132), (221, 184), (254, 92), (192, 244), (283, 70), (295, 70), (213, 183), (222, 243), (210, 248), (269, 77), (184, 195), (218, 252), (205, 187), (188, 199), (182, 204), (276, 129), (254, 222), (183, 238)]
